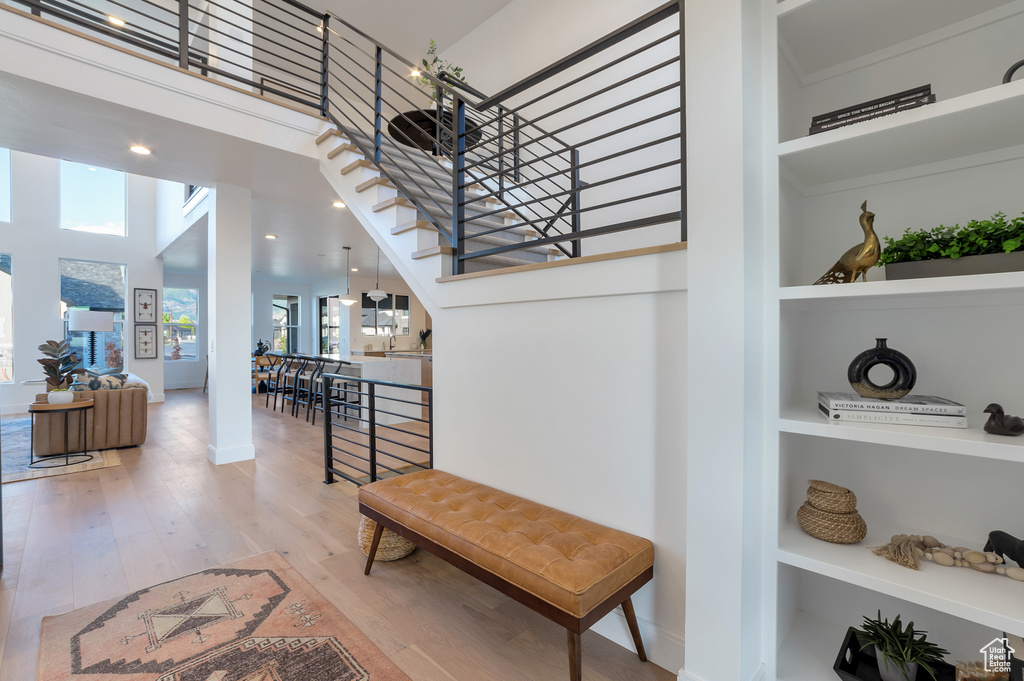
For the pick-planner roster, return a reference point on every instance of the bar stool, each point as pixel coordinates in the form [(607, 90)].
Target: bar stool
[(305, 385), (333, 367), (277, 384)]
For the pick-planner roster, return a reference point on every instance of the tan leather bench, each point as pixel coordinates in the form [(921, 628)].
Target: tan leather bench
[(572, 571)]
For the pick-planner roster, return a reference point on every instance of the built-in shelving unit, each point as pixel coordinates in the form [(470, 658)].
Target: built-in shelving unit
[(944, 163)]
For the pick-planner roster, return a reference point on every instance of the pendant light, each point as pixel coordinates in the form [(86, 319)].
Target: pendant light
[(377, 295), (347, 300)]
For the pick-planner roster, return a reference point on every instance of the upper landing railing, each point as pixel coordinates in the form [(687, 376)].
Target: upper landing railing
[(587, 147)]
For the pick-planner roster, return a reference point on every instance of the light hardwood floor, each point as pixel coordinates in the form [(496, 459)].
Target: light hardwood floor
[(166, 511)]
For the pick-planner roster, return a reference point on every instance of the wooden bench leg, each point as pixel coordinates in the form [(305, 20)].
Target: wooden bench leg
[(373, 547), (634, 628), (575, 656)]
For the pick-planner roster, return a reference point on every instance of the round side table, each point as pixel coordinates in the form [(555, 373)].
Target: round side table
[(82, 406)]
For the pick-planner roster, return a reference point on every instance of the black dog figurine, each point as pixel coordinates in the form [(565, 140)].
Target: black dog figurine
[(1007, 546)]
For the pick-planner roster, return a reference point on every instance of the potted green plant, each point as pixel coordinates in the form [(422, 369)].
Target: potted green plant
[(900, 650), (435, 66), (59, 364), (980, 247)]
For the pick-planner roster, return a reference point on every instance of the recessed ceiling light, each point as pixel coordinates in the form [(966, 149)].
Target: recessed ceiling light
[(270, 236), (93, 170), (338, 204), (139, 149), (355, 269), (115, 21)]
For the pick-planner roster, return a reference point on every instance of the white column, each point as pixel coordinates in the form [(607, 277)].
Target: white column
[(230, 286)]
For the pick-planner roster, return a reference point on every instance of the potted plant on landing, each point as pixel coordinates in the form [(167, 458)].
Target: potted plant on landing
[(981, 247), (58, 364), (900, 651)]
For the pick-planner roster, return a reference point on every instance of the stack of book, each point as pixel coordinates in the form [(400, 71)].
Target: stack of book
[(912, 410), (901, 101)]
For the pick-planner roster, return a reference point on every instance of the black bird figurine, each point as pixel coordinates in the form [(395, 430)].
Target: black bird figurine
[(1002, 424), (1006, 545)]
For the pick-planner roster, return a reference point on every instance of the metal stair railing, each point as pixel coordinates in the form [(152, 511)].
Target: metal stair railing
[(615, 111)]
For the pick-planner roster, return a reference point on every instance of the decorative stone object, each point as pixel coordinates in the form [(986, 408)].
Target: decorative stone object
[(830, 514), (909, 550), (904, 372)]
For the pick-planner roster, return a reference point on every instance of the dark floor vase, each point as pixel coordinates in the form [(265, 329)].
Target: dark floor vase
[(949, 267), (904, 373)]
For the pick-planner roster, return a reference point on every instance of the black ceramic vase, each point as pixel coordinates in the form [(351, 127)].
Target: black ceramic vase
[(904, 373)]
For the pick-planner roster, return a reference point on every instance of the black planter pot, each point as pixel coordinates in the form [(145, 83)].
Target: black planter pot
[(418, 129)]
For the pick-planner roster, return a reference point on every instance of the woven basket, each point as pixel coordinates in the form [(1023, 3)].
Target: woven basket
[(825, 496), (838, 528), (391, 547)]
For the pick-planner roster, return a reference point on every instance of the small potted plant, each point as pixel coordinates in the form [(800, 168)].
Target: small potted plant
[(424, 335), (59, 364), (900, 651)]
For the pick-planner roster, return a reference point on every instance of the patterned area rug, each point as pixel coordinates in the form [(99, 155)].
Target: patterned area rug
[(252, 620), (14, 454)]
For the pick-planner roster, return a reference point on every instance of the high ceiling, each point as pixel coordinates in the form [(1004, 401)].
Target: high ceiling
[(291, 199)]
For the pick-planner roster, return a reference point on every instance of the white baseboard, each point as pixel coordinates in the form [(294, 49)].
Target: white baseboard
[(664, 648), (157, 397), (230, 454), (684, 676), (14, 409)]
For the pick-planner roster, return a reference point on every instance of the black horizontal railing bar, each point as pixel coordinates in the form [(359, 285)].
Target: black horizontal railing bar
[(345, 476), (582, 234), (378, 410), (373, 381), (514, 209), (252, 56), (354, 456), (305, 8), (386, 50), (352, 59), (393, 177), (598, 183), (389, 398), (598, 70), (342, 81), (227, 74), (262, 25), (484, 161), (101, 17), (611, 110), (275, 83), (410, 433), (400, 458), (591, 162), (221, 58), (368, 153), (354, 430), (612, 133), (381, 438), (650, 19), (136, 10), (608, 88), (90, 22), (588, 209)]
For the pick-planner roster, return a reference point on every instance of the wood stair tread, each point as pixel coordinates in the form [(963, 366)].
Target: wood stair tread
[(411, 225), (355, 165), (341, 148), (373, 182), (395, 201), (433, 250)]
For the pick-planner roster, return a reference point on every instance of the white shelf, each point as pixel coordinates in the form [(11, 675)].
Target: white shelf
[(975, 123), (990, 600), (934, 287), (972, 441)]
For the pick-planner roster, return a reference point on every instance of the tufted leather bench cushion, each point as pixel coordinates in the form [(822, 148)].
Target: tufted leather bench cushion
[(571, 563)]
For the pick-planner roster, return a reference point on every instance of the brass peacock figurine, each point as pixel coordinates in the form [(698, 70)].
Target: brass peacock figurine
[(856, 261)]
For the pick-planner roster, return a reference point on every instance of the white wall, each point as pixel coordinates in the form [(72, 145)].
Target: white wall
[(181, 373), (37, 243)]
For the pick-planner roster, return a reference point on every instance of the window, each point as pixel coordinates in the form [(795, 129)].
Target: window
[(286, 323), (6, 321), (330, 324), (5, 185), (96, 287), (386, 318), (91, 199), (180, 318)]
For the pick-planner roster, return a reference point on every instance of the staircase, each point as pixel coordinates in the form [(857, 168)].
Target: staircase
[(426, 202)]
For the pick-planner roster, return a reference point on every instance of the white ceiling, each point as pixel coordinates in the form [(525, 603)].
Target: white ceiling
[(290, 197)]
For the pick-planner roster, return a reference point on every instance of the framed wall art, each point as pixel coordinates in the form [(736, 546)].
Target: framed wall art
[(145, 306), (145, 341)]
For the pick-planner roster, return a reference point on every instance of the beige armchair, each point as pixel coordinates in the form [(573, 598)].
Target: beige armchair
[(118, 419)]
